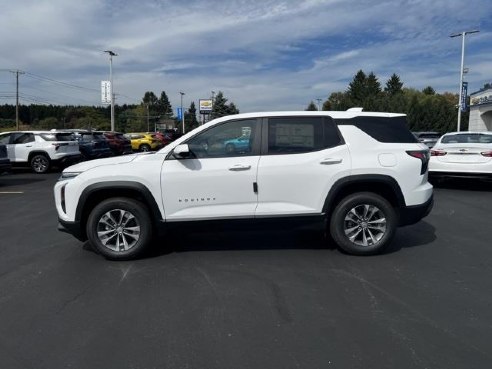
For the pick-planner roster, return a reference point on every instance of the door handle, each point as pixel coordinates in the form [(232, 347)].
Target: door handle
[(330, 161), (239, 167)]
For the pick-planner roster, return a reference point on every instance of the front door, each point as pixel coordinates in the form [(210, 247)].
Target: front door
[(219, 180)]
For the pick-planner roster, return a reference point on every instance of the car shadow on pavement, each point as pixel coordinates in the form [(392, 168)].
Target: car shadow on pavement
[(419, 234)]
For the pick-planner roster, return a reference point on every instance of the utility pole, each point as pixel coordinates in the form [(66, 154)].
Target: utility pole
[(111, 54), (460, 97), (148, 118), (16, 72)]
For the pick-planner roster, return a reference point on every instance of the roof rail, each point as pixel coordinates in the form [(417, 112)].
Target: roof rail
[(356, 110)]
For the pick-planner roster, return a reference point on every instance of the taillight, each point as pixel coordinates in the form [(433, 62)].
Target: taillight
[(487, 154), (423, 155), (438, 152)]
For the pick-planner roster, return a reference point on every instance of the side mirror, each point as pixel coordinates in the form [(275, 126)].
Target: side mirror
[(182, 151)]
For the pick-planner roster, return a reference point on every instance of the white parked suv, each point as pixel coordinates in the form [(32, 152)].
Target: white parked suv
[(362, 174), (40, 149)]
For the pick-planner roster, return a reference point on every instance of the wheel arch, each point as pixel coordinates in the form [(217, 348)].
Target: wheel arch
[(38, 152), (382, 185), (95, 193)]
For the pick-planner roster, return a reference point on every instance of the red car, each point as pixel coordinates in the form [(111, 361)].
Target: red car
[(118, 143), (162, 137)]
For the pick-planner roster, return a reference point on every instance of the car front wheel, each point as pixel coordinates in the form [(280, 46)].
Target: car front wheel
[(363, 223), (40, 163), (119, 228)]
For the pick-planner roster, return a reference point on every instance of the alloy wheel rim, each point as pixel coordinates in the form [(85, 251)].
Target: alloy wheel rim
[(40, 164), (118, 230), (365, 225)]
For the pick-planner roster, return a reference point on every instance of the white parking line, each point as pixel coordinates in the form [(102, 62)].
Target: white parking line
[(10, 192)]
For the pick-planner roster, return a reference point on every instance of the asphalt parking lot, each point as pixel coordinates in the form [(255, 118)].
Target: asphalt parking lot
[(246, 299)]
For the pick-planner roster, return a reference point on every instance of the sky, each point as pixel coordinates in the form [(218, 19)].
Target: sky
[(264, 55)]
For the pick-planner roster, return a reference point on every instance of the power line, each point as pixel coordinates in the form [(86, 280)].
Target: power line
[(41, 78)]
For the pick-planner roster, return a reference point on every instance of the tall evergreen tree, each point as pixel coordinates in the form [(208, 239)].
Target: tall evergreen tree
[(150, 98), (164, 106), (373, 87), (311, 107), (190, 118), (357, 89), (393, 85), (221, 108)]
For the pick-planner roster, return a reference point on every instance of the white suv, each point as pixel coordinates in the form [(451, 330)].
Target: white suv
[(362, 174), (40, 149)]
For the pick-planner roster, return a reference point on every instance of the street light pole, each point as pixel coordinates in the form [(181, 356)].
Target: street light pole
[(182, 113), (462, 34), (111, 54)]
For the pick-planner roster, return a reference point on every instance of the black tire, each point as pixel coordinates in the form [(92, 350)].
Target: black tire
[(363, 223), (40, 163), (144, 148), (125, 226)]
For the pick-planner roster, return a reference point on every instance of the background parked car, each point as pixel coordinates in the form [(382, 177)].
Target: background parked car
[(118, 143), (165, 139), (144, 141), (40, 149), (428, 138), (462, 154), (5, 165), (92, 145)]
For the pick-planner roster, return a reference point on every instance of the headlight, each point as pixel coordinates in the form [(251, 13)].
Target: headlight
[(68, 175)]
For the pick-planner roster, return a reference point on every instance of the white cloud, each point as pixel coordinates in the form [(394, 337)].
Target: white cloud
[(266, 55)]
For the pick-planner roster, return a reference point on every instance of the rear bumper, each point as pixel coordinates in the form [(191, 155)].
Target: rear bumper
[(412, 214), (480, 175)]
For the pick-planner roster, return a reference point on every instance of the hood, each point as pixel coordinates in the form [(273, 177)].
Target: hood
[(86, 165)]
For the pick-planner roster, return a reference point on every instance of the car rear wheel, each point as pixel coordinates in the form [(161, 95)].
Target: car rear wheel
[(363, 223), (119, 228), (144, 148), (40, 163)]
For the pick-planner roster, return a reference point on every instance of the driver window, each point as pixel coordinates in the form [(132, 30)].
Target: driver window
[(225, 140)]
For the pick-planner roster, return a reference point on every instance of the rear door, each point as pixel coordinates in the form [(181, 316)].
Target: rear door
[(301, 159)]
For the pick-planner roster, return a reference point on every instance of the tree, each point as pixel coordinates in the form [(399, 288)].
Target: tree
[(428, 91), (393, 85), (311, 107), (221, 108), (190, 118), (357, 89), (150, 98), (164, 106)]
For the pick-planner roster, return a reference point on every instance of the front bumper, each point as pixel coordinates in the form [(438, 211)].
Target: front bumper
[(73, 228)]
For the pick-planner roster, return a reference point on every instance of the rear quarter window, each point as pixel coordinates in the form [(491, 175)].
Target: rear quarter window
[(382, 129)]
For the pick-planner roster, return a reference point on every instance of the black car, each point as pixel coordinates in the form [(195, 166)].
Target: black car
[(427, 138), (92, 145), (5, 164)]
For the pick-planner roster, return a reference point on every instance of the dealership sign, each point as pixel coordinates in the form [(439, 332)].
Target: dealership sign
[(106, 92), (481, 98), (464, 93), (205, 106)]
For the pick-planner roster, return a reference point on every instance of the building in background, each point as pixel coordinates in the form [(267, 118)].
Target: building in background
[(481, 110)]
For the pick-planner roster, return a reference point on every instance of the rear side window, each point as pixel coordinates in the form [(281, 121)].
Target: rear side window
[(467, 138), (383, 129), (295, 135), (57, 136)]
